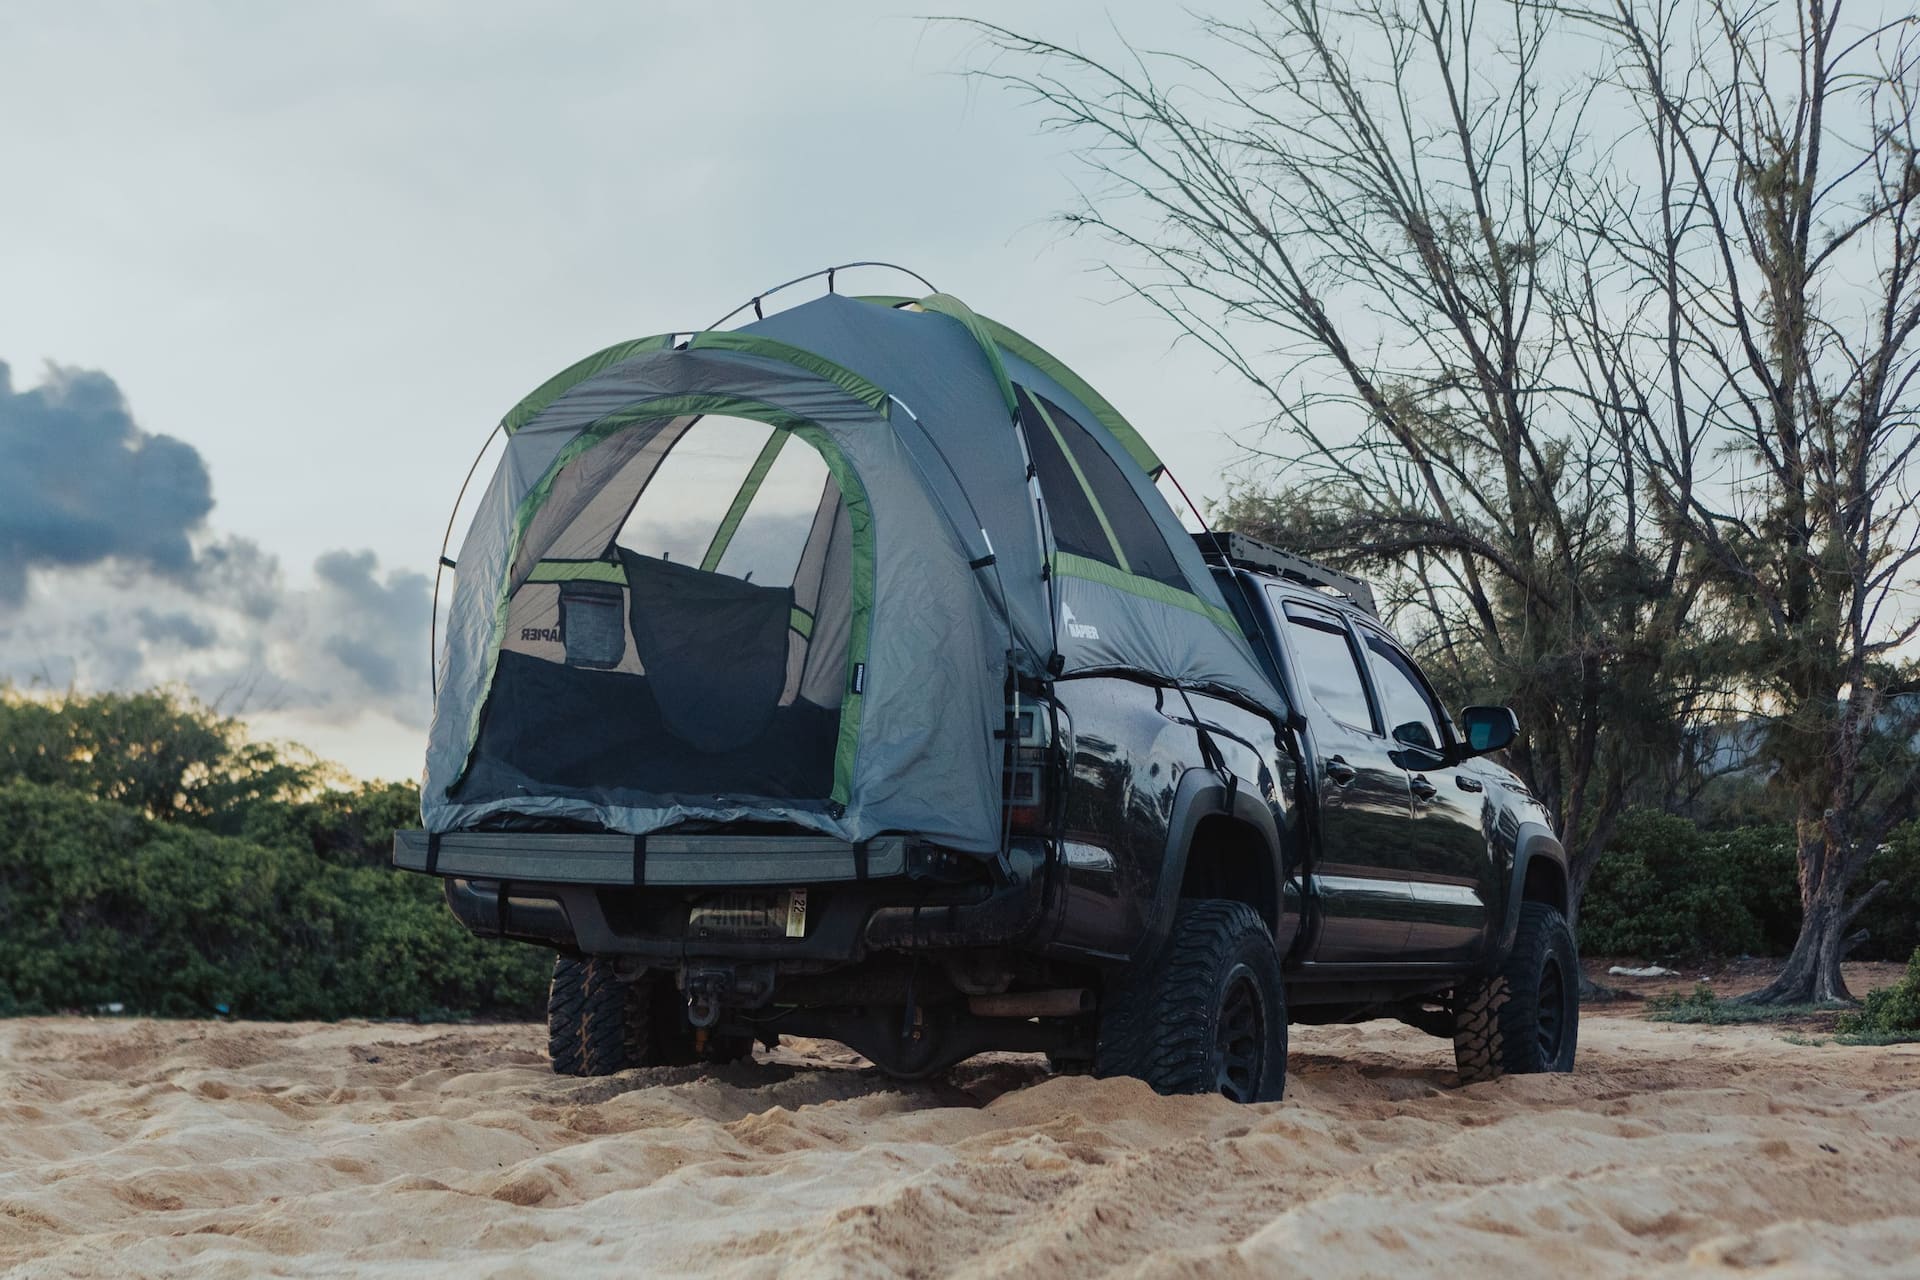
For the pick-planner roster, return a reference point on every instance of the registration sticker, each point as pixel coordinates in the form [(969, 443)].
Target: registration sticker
[(797, 914)]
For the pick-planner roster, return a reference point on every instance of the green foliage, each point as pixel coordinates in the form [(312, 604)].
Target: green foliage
[(1702, 1005), (1890, 1014), (1665, 888), (165, 755), (151, 856), (1892, 920)]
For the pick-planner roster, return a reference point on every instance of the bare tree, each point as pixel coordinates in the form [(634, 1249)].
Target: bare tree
[(1767, 235), (1361, 210)]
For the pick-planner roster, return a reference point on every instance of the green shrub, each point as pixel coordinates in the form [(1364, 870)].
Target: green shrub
[(1891, 1013), (1665, 888), (1702, 1004), (101, 903), (159, 752), (1892, 920)]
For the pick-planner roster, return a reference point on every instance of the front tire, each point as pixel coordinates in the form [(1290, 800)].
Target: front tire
[(1524, 1019), (1210, 1016)]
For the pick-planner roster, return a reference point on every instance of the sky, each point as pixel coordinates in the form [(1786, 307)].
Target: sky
[(269, 274)]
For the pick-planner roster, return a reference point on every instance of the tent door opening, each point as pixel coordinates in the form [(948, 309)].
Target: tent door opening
[(681, 626)]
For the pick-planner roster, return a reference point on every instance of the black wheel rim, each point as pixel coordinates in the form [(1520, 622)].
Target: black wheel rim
[(1240, 1038), (1553, 1011)]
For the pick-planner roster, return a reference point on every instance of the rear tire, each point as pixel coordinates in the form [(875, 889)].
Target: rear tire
[(1210, 1016), (566, 998), (1524, 1018), (616, 1023), (640, 1022)]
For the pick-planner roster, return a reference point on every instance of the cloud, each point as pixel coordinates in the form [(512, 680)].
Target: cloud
[(372, 628), (81, 483), (176, 627), (110, 577), (352, 642)]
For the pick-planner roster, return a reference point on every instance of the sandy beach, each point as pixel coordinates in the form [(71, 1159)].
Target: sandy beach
[(207, 1149)]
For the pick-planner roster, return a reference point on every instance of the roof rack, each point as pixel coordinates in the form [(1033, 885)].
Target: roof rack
[(1239, 550)]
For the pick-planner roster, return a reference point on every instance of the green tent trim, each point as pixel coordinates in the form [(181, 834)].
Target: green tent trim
[(853, 496), (756, 475), (860, 521), (1073, 566), (578, 571), (946, 304), (573, 375), (560, 383), (1014, 344), (752, 344)]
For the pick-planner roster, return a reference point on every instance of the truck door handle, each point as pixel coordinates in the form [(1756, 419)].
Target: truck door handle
[(1340, 771), (1467, 784), (1422, 789)]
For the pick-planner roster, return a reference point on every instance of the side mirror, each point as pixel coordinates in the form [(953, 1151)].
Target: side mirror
[(1488, 729)]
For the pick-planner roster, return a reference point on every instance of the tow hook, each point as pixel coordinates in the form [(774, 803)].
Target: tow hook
[(705, 990), (712, 989)]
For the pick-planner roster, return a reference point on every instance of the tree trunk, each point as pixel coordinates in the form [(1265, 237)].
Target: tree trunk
[(1829, 864), (1812, 975)]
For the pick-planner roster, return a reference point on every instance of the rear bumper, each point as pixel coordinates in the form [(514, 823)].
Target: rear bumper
[(573, 893), (636, 861)]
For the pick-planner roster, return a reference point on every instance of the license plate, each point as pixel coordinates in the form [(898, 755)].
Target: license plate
[(753, 916)]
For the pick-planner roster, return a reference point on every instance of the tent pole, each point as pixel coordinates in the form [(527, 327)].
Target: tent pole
[(829, 272), (433, 620)]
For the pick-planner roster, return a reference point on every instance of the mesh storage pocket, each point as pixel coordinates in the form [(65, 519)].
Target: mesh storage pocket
[(593, 624)]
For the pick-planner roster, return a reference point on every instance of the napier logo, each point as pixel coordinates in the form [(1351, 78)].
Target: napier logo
[(549, 634), (1075, 628)]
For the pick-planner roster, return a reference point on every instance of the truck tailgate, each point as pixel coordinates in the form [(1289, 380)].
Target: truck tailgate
[(603, 859)]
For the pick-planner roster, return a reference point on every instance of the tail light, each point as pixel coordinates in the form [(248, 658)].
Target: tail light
[(1029, 766)]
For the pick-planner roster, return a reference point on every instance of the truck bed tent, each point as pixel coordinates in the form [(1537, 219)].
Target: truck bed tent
[(821, 635)]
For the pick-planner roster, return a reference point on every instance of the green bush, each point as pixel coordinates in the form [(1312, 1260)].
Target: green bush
[(1665, 888), (101, 903), (1892, 920), (1703, 1004), (1891, 1013)]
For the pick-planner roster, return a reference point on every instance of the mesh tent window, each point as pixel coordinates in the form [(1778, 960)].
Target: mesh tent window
[(1093, 512), (722, 683)]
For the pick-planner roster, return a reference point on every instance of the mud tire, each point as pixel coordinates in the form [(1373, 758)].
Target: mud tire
[(616, 1023), (1210, 1016), (566, 999), (1523, 1019)]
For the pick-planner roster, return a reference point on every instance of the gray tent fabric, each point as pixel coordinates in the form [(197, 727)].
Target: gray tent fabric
[(864, 697)]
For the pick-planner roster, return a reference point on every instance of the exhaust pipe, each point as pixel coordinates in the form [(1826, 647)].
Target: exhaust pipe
[(1064, 1003)]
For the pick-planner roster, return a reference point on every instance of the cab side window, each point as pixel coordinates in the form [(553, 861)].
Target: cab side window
[(1327, 666), (1411, 716)]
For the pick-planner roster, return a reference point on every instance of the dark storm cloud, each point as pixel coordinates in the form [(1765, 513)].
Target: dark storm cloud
[(130, 587), (81, 483)]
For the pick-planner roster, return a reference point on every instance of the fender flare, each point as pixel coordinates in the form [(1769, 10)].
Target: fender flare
[(1201, 794), (1535, 840)]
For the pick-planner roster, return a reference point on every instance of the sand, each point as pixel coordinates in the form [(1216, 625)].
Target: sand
[(183, 1148)]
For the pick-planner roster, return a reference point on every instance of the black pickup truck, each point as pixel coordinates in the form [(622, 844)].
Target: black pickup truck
[(1182, 875)]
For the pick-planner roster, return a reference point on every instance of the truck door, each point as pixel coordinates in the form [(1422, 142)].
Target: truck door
[(1366, 809), (1449, 872)]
